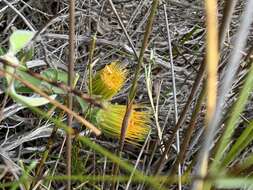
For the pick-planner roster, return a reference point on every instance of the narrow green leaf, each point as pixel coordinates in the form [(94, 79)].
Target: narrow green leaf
[(2, 51), (83, 104), (230, 125), (20, 87), (241, 143), (234, 182), (56, 76), (31, 101), (245, 164)]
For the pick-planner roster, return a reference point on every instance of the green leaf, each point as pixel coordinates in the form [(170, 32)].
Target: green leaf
[(241, 143), (20, 87), (83, 104), (19, 39), (26, 55), (2, 51), (56, 76), (243, 140), (234, 182), (32, 101), (50, 74)]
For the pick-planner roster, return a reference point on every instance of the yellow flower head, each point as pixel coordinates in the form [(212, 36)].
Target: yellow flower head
[(108, 81), (110, 121)]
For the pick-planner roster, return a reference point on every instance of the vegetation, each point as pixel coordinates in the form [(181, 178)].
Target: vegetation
[(126, 94)]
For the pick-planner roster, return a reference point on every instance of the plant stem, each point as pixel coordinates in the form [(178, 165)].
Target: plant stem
[(133, 88), (71, 60)]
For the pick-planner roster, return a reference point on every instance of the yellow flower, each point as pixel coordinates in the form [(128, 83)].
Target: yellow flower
[(108, 81), (110, 121)]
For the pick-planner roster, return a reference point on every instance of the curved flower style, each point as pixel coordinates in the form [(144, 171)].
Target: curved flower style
[(110, 120), (108, 81)]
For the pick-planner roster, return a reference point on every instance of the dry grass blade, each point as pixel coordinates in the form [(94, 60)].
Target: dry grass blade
[(92, 47), (23, 17), (189, 132), (212, 58), (123, 27), (227, 14), (137, 162), (174, 95)]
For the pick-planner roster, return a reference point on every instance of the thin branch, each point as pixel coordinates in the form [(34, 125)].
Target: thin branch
[(71, 60), (21, 16), (123, 28), (190, 129)]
